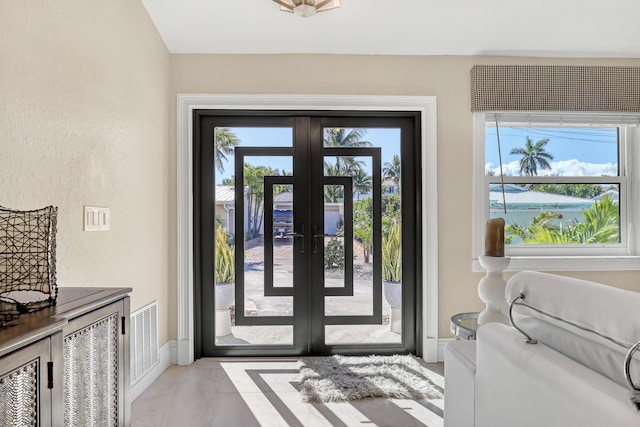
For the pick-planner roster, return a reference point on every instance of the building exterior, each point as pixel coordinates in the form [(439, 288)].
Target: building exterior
[(225, 207)]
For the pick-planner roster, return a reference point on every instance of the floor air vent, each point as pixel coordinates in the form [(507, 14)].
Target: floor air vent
[(144, 341)]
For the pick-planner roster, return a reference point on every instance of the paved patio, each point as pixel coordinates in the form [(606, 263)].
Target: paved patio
[(258, 304)]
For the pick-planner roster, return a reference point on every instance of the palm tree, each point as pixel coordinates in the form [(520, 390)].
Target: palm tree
[(361, 183), (601, 222), (533, 156), (254, 183), (333, 193), (351, 166), (225, 141), (601, 225), (391, 170), (341, 138), (344, 138), (330, 169)]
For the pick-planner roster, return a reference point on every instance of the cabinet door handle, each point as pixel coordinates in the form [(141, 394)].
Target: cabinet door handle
[(50, 375)]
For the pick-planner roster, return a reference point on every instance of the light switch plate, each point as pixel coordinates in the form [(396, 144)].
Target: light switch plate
[(96, 218)]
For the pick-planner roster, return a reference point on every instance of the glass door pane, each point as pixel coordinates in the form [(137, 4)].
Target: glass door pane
[(338, 239), (258, 308), (362, 263)]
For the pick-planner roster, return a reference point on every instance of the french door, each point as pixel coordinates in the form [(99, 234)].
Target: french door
[(305, 232)]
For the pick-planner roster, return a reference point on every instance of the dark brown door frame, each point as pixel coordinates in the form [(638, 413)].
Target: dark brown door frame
[(309, 318)]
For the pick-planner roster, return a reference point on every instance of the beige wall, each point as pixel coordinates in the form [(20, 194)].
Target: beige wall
[(84, 100), (87, 117), (447, 78)]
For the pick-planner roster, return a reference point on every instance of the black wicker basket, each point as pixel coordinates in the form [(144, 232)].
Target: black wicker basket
[(27, 261)]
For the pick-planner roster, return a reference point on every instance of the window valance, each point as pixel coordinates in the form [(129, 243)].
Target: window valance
[(555, 88)]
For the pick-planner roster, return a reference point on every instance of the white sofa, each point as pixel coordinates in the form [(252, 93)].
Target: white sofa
[(573, 376)]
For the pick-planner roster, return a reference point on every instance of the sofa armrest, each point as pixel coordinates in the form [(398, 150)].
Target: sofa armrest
[(459, 380), (533, 385)]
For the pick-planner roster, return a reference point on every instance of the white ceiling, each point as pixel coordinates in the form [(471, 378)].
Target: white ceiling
[(549, 28)]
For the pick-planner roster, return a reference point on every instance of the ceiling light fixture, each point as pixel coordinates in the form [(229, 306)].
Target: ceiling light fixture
[(307, 8)]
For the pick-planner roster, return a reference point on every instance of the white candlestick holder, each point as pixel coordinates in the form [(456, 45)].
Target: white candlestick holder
[(491, 289)]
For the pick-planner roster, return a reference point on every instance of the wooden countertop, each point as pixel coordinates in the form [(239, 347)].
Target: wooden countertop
[(70, 303)]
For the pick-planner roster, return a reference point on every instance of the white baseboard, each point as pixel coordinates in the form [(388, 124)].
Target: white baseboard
[(185, 349), (167, 356), (173, 350)]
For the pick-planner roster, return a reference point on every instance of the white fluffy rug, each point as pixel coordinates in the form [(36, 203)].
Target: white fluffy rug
[(342, 378)]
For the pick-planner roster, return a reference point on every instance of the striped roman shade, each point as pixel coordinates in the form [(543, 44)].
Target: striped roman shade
[(555, 88)]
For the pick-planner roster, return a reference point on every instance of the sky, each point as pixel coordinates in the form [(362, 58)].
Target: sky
[(586, 151), (576, 151), (387, 139)]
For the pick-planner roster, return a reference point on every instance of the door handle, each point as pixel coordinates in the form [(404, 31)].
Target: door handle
[(315, 238), (300, 235)]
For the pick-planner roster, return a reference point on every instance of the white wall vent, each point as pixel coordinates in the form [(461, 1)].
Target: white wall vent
[(144, 341)]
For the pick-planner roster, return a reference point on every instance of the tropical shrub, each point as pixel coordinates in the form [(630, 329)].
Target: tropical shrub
[(391, 206), (392, 254), (363, 225), (585, 191), (601, 224), (334, 254), (225, 258)]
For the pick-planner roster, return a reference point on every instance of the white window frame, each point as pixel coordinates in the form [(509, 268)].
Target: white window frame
[(622, 256)]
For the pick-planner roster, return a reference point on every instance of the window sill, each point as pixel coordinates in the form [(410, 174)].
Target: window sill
[(568, 263)]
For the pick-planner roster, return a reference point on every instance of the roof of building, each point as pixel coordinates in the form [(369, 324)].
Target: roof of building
[(518, 197), (284, 197), (612, 192), (225, 194)]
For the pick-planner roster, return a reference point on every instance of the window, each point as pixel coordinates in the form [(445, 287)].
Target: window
[(566, 181)]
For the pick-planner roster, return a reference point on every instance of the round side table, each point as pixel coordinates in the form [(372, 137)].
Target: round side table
[(464, 325)]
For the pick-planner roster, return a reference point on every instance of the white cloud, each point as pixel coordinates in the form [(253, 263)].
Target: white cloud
[(511, 168), (571, 167), (575, 168)]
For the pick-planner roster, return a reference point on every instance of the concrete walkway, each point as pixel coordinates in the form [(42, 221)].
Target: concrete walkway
[(256, 304)]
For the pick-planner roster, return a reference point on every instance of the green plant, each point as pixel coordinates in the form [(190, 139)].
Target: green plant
[(600, 225), (585, 191), (225, 143), (363, 225), (392, 254), (391, 170), (334, 254), (225, 258), (391, 206)]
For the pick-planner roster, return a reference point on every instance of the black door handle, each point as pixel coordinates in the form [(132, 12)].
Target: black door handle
[(315, 238), (300, 235)]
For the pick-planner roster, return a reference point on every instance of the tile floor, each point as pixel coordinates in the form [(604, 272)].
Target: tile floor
[(245, 392)]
